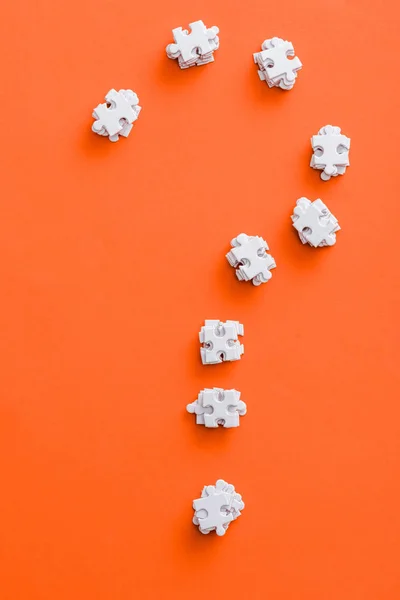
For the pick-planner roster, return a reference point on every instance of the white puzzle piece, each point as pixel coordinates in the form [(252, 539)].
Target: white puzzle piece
[(195, 48), (225, 407), (220, 341), (315, 223), (275, 66), (216, 406), (218, 506), (213, 516), (116, 116), (250, 256), (236, 504), (330, 152)]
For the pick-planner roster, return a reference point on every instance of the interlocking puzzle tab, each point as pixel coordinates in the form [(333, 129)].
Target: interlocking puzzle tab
[(220, 341), (251, 259), (217, 406), (315, 224), (116, 116), (274, 65), (330, 152), (195, 48), (218, 506)]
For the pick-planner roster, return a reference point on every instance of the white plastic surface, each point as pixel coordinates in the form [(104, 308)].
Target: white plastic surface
[(330, 152), (275, 66), (116, 119), (217, 406), (251, 259), (218, 506), (220, 341), (193, 48), (315, 223)]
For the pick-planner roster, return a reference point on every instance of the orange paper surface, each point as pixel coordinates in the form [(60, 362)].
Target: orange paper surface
[(112, 256)]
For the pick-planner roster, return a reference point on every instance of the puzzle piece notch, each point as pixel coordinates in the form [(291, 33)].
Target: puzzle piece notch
[(218, 506), (330, 152), (220, 341), (250, 256), (117, 115), (315, 223), (217, 406), (194, 48), (275, 66)]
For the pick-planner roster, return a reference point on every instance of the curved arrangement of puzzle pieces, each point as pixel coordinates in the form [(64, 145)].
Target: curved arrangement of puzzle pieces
[(278, 66)]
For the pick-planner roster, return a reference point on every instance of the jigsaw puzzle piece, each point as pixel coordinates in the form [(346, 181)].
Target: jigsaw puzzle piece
[(194, 48), (116, 116), (220, 341), (216, 406), (330, 152), (277, 63), (218, 506), (314, 223), (226, 407), (211, 513), (250, 256), (276, 54), (236, 503), (196, 42)]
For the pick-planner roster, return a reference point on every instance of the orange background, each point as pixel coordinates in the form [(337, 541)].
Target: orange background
[(112, 256)]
